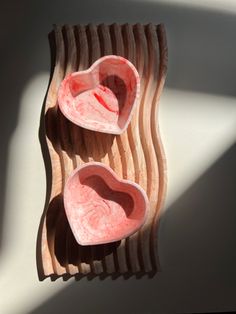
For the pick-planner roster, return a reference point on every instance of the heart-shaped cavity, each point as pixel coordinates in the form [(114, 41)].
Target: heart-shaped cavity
[(100, 207), (103, 97)]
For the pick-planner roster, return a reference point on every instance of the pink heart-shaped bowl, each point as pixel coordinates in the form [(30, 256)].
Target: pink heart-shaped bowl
[(102, 208), (101, 98)]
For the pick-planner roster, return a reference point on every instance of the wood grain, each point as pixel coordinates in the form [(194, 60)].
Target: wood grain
[(137, 154)]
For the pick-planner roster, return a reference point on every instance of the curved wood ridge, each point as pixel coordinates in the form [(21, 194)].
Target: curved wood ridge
[(137, 154)]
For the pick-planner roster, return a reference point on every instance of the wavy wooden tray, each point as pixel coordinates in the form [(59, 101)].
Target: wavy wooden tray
[(137, 154)]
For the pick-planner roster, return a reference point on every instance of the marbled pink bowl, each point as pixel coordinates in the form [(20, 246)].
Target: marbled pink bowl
[(101, 98), (102, 208)]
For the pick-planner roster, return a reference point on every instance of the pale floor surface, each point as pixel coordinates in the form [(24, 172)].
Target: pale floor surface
[(194, 136)]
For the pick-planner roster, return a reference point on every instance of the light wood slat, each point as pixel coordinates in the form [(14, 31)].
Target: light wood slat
[(96, 138), (71, 66), (122, 145), (54, 212), (160, 154), (136, 155), (132, 241), (151, 170), (83, 63), (106, 49)]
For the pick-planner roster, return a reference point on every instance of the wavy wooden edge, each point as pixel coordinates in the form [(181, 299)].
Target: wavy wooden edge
[(137, 154)]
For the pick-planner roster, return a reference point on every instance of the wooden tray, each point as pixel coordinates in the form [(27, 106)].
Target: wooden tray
[(137, 154)]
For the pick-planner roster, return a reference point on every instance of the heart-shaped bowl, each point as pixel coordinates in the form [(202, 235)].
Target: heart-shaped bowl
[(100, 207), (101, 98)]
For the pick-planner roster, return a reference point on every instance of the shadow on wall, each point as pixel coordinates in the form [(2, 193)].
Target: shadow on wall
[(197, 249)]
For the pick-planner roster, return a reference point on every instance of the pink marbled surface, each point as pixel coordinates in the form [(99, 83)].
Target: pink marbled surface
[(101, 98), (101, 208)]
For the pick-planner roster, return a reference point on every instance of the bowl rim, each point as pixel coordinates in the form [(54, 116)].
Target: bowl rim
[(116, 178)]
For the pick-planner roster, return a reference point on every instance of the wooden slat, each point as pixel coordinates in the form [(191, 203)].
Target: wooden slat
[(160, 155), (133, 155), (54, 212), (71, 66), (106, 49)]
